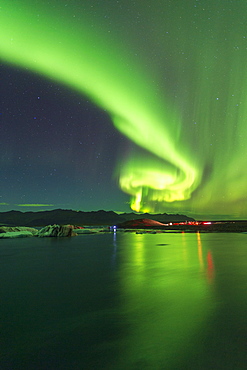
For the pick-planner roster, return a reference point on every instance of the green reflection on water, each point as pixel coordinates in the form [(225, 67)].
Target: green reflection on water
[(125, 301), (165, 297)]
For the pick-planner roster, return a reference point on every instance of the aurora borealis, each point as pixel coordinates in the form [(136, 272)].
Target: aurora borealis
[(172, 78)]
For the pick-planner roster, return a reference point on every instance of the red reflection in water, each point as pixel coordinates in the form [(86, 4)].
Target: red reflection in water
[(210, 269)]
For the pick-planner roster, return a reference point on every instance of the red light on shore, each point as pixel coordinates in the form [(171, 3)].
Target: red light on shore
[(207, 223)]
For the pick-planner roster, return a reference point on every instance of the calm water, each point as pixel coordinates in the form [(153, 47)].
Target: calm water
[(124, 301)]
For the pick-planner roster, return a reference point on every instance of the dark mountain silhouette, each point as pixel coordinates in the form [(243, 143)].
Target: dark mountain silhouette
[(63, 216)]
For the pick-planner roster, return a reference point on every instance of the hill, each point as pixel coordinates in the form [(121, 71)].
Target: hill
[(141, 224)]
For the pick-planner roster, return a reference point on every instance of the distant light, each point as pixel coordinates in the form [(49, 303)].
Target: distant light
[(207, 223)]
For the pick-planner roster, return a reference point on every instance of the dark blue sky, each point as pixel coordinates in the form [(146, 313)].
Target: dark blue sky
[(56, 147)]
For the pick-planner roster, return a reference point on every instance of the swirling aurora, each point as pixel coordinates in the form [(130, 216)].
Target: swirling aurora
[(172, 77)]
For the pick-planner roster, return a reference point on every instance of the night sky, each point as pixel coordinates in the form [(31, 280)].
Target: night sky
[(121, 105)]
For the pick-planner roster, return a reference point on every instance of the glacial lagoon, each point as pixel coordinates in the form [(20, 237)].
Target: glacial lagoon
[(124, 301)]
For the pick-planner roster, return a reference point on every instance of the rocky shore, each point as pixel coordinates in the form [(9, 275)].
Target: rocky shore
[(187, 226), (137, 225), (47, 231)]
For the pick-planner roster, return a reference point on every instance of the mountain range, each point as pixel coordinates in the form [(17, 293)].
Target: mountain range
[(63, 217)]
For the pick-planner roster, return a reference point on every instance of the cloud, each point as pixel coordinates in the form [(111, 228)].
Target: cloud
[(35, 205)]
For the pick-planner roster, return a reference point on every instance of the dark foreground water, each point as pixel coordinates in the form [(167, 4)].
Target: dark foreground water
[(124, 301)]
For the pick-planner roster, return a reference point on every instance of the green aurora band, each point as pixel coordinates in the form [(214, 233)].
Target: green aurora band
[(192, 138)]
